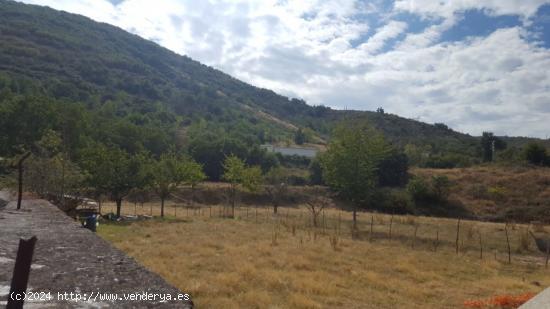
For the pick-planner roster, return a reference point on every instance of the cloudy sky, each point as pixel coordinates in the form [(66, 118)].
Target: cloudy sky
[(474, 65)]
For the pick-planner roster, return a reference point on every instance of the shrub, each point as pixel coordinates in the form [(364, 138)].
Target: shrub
[(391, 200), (393, 170), (419, 189), (436, 190), (479, 191), (536, 154), (441, 186), (497, 193), (316, 172)]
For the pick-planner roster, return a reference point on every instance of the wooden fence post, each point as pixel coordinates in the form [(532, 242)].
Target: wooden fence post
[(391, 223), (508, 243), (324, 226), (21, 273), (415, 232), (371, 227), (457, 235), (436, 243), (480, 247)]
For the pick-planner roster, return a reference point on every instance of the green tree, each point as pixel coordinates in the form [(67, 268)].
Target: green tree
[(211, 151), (49, 170), (192, 175), (535, 154), (393, 170), (489, 145), (299, 137), (441, 186), (276, 183), (113, 171), (238, 174), (316, 171), (166, 175), (351, 161)]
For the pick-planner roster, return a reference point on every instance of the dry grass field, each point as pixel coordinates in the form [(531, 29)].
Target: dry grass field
[(257, 260), (496, 192)]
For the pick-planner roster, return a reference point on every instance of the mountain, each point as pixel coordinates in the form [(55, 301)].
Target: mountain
[(108, 71)]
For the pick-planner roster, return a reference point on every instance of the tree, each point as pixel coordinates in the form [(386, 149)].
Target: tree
[(113, 171), (351, 162), (393, 170), (299, 137), (276, 182), (166, 174), (489, 144), (49, 170), (316, 205), (238, 174), (316, 171), (192, 175), (211, 151), (535, 154), (441, 187)]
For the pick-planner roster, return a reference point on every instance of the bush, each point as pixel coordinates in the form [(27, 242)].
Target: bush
[(436, 190), (316, 172), (497, 193), (479, 191), (536, 154), (441, 187), (419, 189), (393, 170), (392, 200)]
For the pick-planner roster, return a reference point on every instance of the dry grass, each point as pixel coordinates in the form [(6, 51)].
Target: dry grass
[(493, 190), (266, 262)]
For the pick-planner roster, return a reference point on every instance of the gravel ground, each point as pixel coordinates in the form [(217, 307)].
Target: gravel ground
[(69, 258)]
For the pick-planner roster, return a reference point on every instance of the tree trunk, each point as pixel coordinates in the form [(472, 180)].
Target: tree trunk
[(118, 206), (233, 198), (20, 178), (275, 206), (192, 195), (162, 207), (354, 217)]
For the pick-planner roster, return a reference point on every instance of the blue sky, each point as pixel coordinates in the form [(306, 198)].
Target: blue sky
[(474, 65)]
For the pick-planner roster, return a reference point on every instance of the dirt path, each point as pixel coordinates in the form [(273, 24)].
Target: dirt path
[(69, 258)]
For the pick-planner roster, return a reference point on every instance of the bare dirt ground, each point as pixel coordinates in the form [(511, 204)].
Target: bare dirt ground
[(69, 258)]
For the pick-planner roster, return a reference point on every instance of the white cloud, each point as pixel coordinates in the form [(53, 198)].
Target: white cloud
[(330, 52), (446, 8)]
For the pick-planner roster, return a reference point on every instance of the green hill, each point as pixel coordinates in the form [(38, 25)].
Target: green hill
[(130, 87)]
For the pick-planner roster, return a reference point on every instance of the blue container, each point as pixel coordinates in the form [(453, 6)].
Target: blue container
[(91, 223)]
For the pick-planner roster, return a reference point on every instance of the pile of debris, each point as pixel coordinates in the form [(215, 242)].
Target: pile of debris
[(113, 217)]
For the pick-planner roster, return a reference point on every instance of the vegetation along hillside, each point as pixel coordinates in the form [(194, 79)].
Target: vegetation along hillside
[(97, 106), (133, 83)]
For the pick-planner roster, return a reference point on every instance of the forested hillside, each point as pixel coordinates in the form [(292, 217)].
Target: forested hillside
[(91, 81)]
